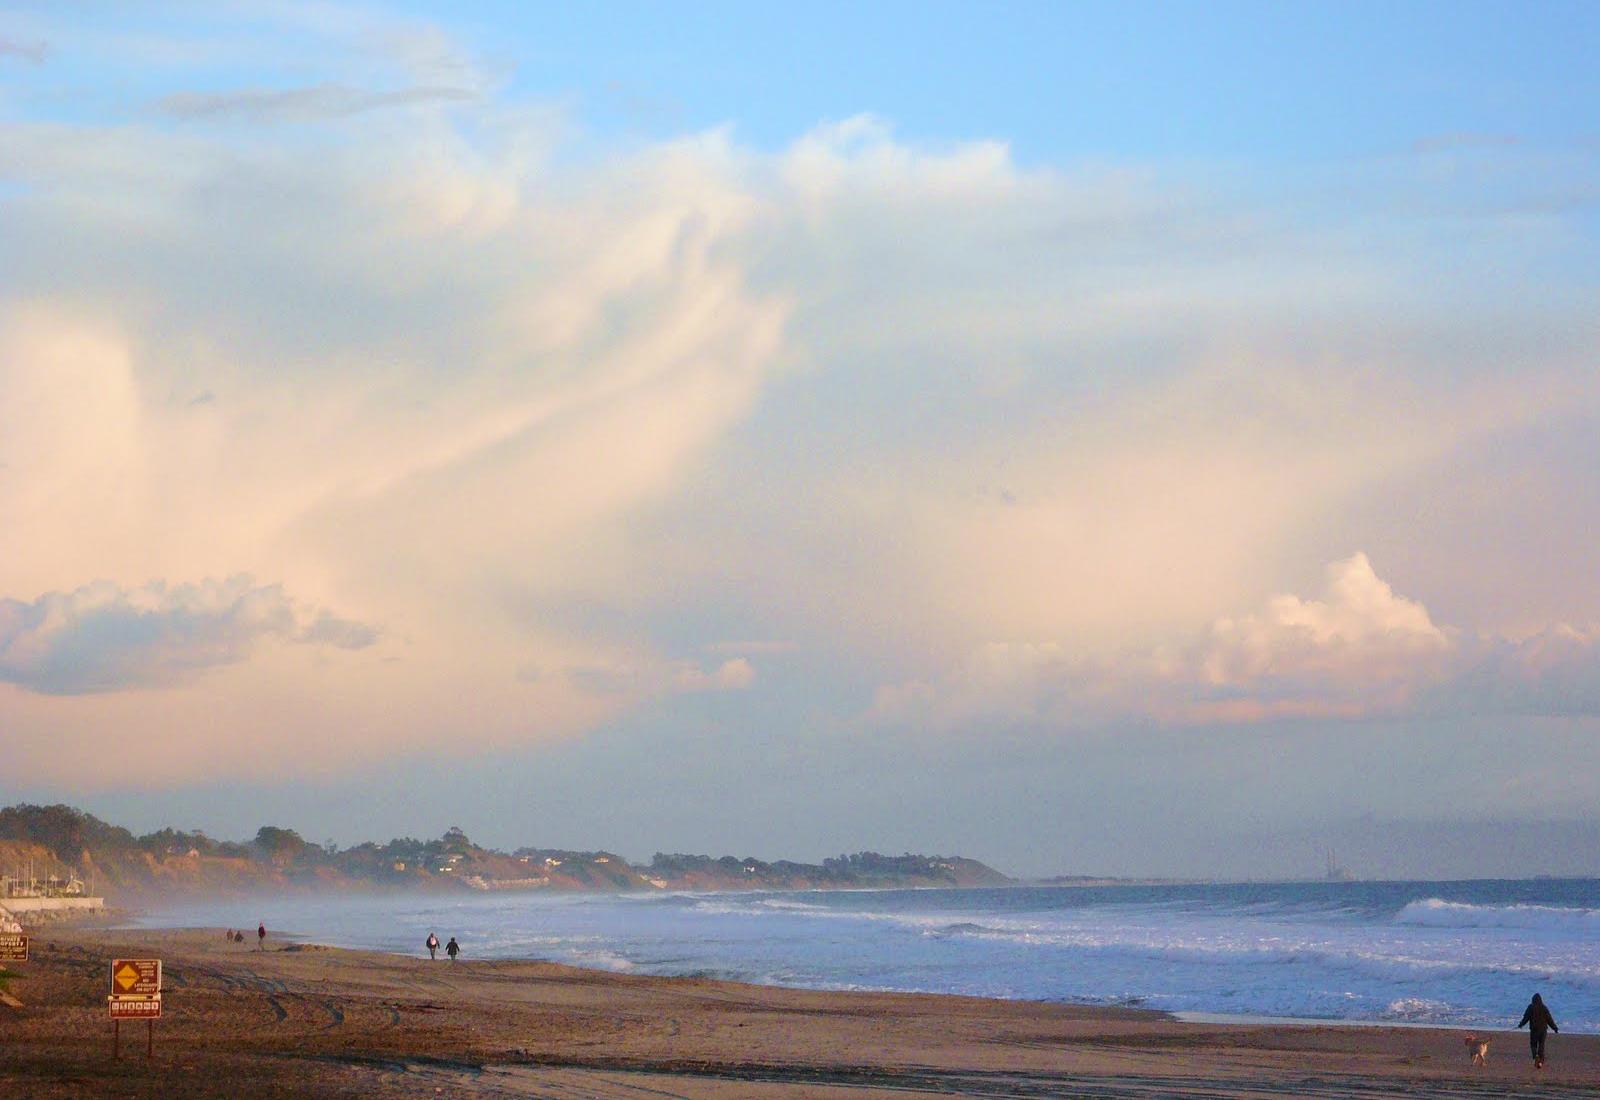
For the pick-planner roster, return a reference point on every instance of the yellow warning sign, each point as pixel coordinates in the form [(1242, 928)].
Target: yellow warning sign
[(136, 977)]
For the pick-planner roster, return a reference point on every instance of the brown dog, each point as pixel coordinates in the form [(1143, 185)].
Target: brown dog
[(1479, 1049)]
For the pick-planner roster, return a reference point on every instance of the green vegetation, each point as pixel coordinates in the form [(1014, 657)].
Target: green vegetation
[(863, 869), (67, 832), (173, 861)]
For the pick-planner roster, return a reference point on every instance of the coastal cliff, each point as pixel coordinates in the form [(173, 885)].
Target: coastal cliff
[(130, 869)]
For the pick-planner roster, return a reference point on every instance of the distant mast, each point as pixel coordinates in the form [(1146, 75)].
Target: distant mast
[(1336, 872)]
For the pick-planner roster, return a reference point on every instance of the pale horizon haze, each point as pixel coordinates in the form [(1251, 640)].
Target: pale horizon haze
[(1135, 439)]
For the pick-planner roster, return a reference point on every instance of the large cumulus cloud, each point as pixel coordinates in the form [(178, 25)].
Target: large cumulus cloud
[(1356, 651), (571, 419)]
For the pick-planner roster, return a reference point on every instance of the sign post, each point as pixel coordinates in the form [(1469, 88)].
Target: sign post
[(135, 995)]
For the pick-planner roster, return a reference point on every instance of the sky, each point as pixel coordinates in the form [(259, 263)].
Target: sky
[(1147, 439)]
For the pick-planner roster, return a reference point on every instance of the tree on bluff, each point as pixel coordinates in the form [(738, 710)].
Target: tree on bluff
[(455, 842), (281, 846), (68, 833)]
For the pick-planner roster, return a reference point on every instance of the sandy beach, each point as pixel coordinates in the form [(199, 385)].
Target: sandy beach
[(301, 1020)]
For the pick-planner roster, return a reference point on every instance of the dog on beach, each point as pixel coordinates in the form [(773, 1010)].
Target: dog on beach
[(1478, 1049)]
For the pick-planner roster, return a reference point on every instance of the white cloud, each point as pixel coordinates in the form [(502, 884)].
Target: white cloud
[(1345, 650), (555, 412), (104, 638), (1358, 652)]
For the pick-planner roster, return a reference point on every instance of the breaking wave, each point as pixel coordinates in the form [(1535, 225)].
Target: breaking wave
[(1438, 913)]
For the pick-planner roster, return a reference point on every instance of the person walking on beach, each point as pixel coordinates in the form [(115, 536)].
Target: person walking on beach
[(261, 936), (1538, 1020), (433, 946), (452, 949)]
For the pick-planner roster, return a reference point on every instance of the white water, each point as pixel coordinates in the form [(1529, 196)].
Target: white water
[(1465, 954)]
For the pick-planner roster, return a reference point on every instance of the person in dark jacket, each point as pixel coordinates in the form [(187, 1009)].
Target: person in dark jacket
[(433, 946), (452, 949), (261, 936), (1538, 1021)]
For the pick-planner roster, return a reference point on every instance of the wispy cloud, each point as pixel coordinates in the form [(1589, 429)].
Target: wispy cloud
[(1463, 140), (329, 629), (33, 51), (321, 101), (663, 678)]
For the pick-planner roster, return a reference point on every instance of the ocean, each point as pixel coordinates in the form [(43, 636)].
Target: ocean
[(1463, 954)]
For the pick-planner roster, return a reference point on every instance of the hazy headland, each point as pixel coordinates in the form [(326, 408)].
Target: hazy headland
[(169, 864)]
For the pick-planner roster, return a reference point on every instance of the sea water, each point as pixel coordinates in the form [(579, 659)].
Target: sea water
[(1448, 953)]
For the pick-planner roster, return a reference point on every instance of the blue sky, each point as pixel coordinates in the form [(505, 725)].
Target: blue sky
[(1058, 81), (1039, 431), (1069, 81)]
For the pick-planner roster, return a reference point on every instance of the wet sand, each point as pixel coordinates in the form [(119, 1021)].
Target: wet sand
[(303, 1021)]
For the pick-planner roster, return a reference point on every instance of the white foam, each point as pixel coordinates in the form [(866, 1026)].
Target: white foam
[(598, 959), (789, 905), (1419, 1010), (1438, 913)]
